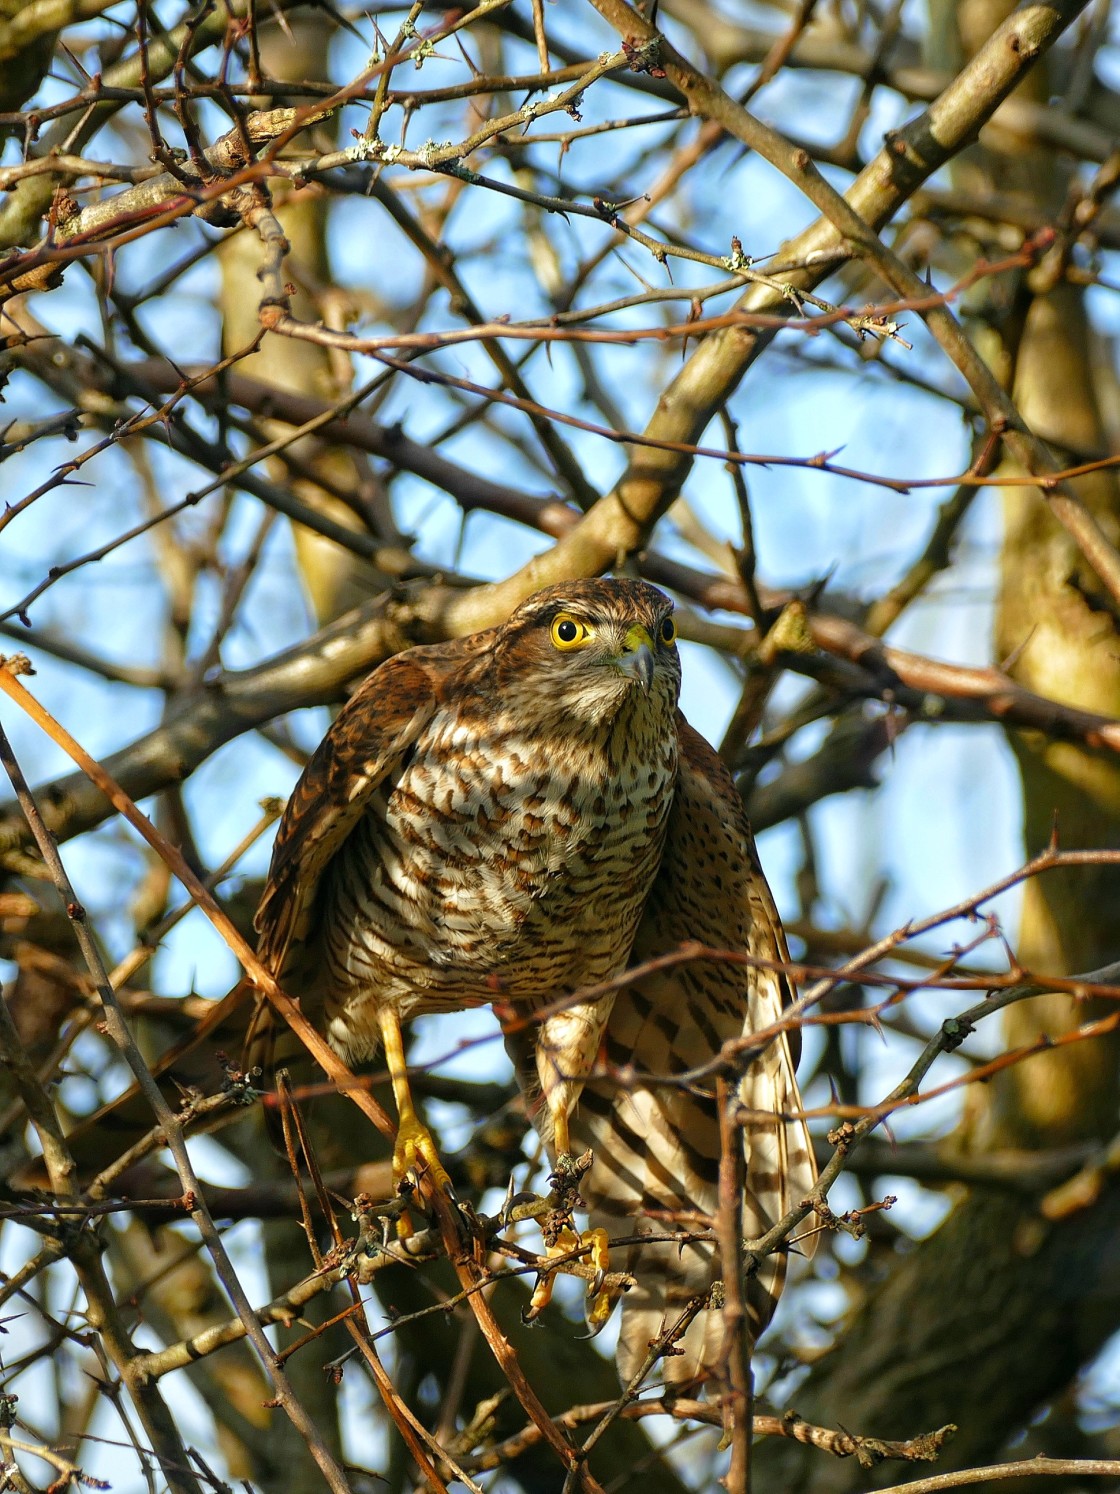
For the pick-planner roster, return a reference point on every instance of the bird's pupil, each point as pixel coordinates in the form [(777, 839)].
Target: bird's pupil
[(668, 630), (566, 632)]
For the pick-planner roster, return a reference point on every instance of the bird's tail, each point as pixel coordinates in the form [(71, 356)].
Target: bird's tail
[(656, 1173)]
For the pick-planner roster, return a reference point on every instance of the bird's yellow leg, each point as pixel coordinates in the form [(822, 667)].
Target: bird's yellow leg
[(415, 1151), (601, 1303)]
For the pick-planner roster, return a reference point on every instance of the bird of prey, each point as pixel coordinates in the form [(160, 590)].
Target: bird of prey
[(515, 816)]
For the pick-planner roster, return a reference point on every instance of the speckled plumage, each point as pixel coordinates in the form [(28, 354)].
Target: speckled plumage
[(502, 818), (485, 818)]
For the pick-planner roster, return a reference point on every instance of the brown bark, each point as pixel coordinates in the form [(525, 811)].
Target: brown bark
[(333, 578), (176, 1295)]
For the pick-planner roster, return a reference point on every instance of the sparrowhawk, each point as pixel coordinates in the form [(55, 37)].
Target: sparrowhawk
[(516, 816)]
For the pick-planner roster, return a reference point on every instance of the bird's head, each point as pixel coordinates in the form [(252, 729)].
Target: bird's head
[(590, 649)]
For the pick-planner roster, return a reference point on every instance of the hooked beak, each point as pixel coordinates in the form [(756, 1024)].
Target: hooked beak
[(636, 659)]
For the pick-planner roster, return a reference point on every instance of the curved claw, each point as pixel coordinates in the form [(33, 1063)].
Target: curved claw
[(542, 1292), (565, 1242), (600, 1301), (513, 1201), (415, 1156), (416, 1161), (600, 1307)]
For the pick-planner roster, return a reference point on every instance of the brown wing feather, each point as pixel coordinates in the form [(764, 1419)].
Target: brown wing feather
[(657, 1145), (366, 743)]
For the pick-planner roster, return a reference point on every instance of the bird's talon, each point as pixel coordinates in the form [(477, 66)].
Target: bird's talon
[(404, 1225), (599, 1311), (542, 1296), (415, 1157), (601, 1302)]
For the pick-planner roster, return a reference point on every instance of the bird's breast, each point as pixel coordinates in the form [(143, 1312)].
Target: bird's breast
[(498, 862)]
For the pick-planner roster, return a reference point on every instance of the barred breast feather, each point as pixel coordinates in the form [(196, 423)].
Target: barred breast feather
[(494, 864)]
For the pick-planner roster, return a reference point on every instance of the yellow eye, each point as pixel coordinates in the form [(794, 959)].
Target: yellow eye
[(668, 630), (568, 632)]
